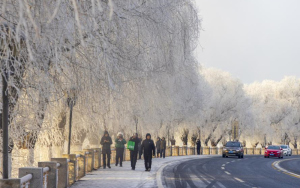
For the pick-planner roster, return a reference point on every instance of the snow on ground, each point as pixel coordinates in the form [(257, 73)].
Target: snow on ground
[(125, 177)]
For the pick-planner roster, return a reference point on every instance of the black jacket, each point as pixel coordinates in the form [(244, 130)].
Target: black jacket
[(148, 147), (106, 145), (198, 144), (163, 144), (137, 142), (158, 145)]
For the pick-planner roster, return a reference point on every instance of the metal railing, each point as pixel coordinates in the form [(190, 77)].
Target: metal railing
[(25, 180)]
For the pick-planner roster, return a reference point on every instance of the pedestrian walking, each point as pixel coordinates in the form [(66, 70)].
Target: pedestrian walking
[(157, 147), (106, 151), (120, 141), (148, 148), (198, 142), (140, 148), (134, 152), (163, 146)]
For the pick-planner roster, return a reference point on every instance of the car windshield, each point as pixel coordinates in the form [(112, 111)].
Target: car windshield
[(233, 144), (273, 147), (283, 147)]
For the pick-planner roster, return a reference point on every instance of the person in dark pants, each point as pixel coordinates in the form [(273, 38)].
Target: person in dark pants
[(198, 142), (106, 151), (148, 148), (120, 141), (163, 146), (157, 147), (134, 153), (140, 148)]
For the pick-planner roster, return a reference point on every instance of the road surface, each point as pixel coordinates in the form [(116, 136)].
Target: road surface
[(252, 171), (200, 171)]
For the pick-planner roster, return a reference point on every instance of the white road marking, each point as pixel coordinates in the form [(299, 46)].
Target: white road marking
[(232, 161), (223, 164), (222, 168), (227, 172), (227, 162), (239, 180), (277, 167)]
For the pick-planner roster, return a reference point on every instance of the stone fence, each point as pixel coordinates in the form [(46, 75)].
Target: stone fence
[(65, 171)]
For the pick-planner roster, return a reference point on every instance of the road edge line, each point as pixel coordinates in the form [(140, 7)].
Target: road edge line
[(277, 167)]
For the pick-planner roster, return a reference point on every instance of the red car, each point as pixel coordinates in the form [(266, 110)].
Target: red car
[(274, 151)]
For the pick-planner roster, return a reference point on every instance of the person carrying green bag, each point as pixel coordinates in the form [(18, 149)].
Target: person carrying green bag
[(133, 147), (120, 141)]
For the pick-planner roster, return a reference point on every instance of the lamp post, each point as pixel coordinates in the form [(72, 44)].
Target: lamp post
[(7, 44), (136, 120), (71, 103), (5, 124)]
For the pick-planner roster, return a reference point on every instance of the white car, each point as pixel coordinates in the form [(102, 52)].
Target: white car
[(286, 150)]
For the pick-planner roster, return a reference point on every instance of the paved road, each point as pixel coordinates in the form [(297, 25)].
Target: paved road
[(252, 171)]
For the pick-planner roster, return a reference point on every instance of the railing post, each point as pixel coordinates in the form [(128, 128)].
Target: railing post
[(91, 156), (97, 160), (52, 174), (37, 175), (73, 169), (10, 183), (63, 171), (82, 163)]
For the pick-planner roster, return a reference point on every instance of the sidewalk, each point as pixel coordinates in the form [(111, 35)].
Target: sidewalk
[(124, 177)]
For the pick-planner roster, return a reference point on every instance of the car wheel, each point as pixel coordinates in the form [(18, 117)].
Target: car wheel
[(265, 156), (226, 156), (243, 156), (223, 155), (279, 157), (268, 156), (239, 156)]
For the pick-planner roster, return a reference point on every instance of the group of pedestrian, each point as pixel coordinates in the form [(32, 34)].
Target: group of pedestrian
[(146, 147), (161, 145)]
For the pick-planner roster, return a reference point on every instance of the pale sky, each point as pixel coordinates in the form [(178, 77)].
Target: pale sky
[(254, 40)]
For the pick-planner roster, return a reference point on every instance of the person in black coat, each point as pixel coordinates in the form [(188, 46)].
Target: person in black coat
[(134, 153), (140, 149), (198, 142), (106, 151), (148, 148), (158, 147)]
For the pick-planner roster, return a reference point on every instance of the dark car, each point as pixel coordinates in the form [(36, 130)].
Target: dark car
[(233, 149), (274, 151)]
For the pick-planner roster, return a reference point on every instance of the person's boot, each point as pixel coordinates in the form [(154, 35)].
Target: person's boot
[(149, 169), (104, 167), (108, 166), (146, 170), (121, 165), (116, 164)]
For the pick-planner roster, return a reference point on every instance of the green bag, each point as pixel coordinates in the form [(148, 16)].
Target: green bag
[(130, 145)]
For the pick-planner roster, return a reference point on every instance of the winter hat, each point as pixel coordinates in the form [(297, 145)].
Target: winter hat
[(135, 134), (120, 134), (148, 134), (105, 132)]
